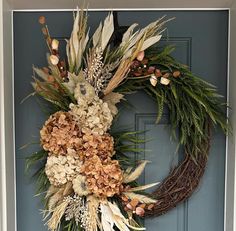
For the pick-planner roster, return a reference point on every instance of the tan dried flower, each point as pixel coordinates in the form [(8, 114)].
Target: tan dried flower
[(104, 179), (60, 133), (62, 169)]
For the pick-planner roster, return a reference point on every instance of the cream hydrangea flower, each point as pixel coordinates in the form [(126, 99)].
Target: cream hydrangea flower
[(61, 169), (96, 117)]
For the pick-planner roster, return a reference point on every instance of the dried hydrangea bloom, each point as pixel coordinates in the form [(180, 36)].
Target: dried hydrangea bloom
[(61, 169), (96, 116), (59, 133), (100, 145), (104, 179)]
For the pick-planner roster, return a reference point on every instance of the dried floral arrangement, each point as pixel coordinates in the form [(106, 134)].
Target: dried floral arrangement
[(89, 181)]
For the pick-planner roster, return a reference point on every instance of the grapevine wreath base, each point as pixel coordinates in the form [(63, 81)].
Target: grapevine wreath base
[(181, 182), (179, 185), (85, 171)]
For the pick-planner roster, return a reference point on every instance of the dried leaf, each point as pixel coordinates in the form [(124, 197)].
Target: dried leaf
[(97, 35), (128, 34), (107, 30), (150, 41)]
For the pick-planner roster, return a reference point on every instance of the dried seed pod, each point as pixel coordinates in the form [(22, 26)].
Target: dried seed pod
[(140, 56), (139, 211), (153, 80), (150, 207), (158, 73), (151, 70), (54, 60), (164, 81), (142, 206), (129, 206), (55, 44), (176, 74), (44, 31), (166, 75), (134, 202), (42, 20)]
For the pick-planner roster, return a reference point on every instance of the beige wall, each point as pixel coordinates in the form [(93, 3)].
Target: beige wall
[(231, 170), (69, 4), (7, 203)]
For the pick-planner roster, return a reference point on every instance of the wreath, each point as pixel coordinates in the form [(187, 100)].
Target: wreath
[(85, 166)]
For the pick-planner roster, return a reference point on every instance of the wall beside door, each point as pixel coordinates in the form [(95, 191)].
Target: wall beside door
[(7, 166)]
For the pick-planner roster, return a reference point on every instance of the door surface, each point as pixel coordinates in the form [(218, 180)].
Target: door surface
[(201, 39)]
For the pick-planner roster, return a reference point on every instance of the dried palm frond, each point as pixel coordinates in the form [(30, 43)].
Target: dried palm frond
[(136, 173), (77, 43), (104, 32)]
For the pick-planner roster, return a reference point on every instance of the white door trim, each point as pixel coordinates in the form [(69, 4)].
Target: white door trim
[(7, 157)]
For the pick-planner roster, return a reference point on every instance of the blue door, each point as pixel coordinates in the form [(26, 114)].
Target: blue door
[(201, 39)]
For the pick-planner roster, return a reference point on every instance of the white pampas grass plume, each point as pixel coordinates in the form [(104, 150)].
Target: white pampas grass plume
[(136, 173)]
